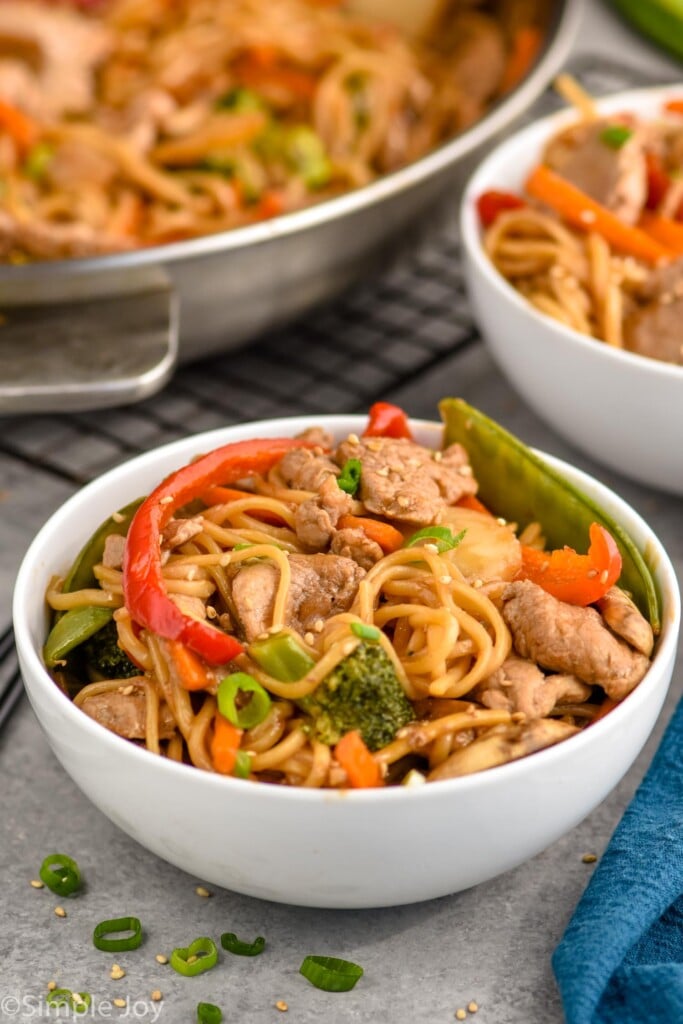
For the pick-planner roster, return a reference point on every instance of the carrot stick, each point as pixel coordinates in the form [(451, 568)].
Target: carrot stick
[(664, 230), (388, 537), (582, 212), (360, 766), (225, 743), (23, 130), (673, 106), (525, 46), (190, 670), (226, 495), (469, 501)]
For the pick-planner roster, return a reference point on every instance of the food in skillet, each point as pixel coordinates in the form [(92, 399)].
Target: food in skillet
[(596, 238), (129, 123), (348, 612)]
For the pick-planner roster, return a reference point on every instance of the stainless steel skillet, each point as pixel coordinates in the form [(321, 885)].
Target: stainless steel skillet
[(83, 334)]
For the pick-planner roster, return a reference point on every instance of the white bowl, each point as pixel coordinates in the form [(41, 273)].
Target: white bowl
[(622, 409), (327, 848)]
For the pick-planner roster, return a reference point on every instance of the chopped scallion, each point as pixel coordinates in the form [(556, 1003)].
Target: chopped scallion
[(253, 710), (208, 1013), (242, 767), (330, 974), (114, 926), (365, 631), (441, 536), (615, 135), (183, 959), (61, 874), (232, 944), (349, 478), (282, 657)]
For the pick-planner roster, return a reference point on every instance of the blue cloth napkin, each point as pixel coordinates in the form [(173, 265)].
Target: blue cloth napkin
[(620, 960)]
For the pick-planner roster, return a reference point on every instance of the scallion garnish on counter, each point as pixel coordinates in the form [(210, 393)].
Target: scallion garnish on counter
[(201, 955), (61, 874), (115, 926), (232, 944), (330, 974)]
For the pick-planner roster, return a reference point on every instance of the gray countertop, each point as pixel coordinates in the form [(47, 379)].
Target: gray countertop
[(491, 944)]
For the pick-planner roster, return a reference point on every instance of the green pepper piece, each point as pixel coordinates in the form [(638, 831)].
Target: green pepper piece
[(281, 657), (72, 629), (80, 576), (516, 483), (661, 20)]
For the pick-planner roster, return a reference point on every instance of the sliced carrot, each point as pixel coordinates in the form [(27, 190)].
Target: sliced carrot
[(23, 130), (388, 537), (261, 72), (673, 106), (525, 46), (473, 503), (360, 766), (579, 210), (226, 495), (192, 674), (271, 204), (664, 230), (225, 744)]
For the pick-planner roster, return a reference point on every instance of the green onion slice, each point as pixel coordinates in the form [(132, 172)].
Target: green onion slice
[(330, 974), (59, 997), (230, 942), (250, 713), (208, 1013), (242, 767), (115, 925), (442, 536), (201, 955), (365, 631), (61, 874), (282, 657), (349, 478), (615, 135)]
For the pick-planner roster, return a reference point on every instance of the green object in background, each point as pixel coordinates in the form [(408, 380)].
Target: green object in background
[(514, 482), (660, 20)]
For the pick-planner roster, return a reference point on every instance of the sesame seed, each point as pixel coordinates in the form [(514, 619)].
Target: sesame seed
[(201, 891), (127, 690), (60, 911), (192, 959), (166, 500), (604, 576), (309, 638), (353, 439), (117, 517), (156, 995), (161, 959), (318, 626), (501, 521), (403, 502), (433, 548), (587, 216), (466, 471), (119, 1002), (51, 986), (281, 1005), (589, 858), (383, 471), (477, 584), (438, 456), (37, 884), (460, 1014), (76, 999), (592, 573), (445, 579), (116, 972), (211, 612), (472, 1007)]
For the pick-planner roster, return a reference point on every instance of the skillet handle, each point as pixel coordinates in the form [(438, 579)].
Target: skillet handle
[(86, 342)]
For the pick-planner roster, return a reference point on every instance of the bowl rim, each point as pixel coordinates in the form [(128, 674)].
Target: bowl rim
[(470, 232), (42, 689), (556, 48)]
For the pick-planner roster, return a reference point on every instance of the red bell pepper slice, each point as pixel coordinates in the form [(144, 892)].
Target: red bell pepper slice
[(492, 203), (143, 584), (568, 576), (387, 420), (658, 181)]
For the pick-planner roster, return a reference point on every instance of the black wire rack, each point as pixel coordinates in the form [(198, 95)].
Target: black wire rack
[(379, 337)]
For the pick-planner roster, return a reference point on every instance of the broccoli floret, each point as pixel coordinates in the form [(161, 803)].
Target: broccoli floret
[(103, 656), (363, 692)]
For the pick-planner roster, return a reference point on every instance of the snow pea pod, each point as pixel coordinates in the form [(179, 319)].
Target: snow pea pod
[(515, 483), (81, 575), (72, 629)]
